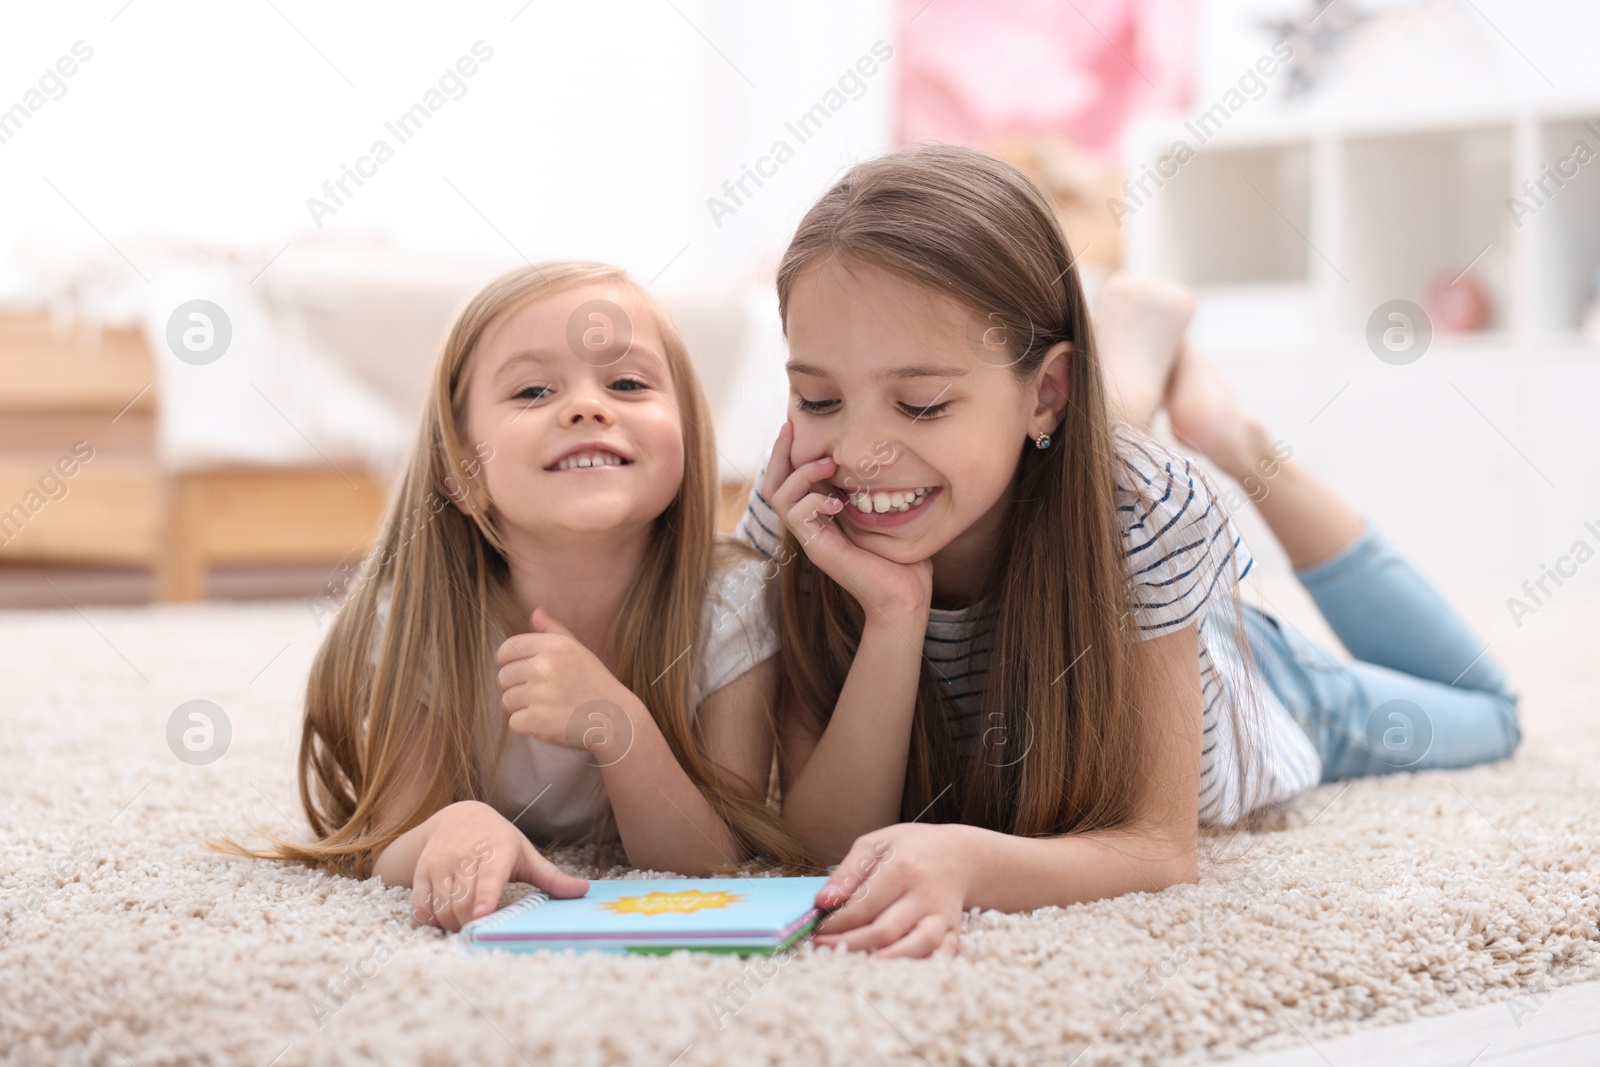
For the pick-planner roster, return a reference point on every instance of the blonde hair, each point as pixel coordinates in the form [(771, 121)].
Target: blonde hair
[(970, 226), (380, 708)]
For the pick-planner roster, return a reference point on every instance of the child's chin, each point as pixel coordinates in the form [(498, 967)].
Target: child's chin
[(599, 519), (897, 548), (591, 518)]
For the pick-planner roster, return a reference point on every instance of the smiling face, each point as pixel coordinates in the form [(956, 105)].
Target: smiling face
[(919, 407), (576, 409)]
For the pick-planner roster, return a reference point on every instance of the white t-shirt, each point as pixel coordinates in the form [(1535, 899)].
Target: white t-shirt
[(551, 791), (1181, 547)]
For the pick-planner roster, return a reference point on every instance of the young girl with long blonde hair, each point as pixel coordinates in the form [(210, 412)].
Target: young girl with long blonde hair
[(547, 644), (1013, 668)]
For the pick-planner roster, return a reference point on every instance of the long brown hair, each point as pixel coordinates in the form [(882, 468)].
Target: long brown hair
[(1071, 749), (383, 710)]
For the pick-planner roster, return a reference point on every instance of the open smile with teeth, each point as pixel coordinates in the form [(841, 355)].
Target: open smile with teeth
[(902, 500), (590, 459)]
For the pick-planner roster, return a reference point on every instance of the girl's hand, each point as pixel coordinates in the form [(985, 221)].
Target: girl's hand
[(471, 853), (548, 682), (893, 590), (900, 891)]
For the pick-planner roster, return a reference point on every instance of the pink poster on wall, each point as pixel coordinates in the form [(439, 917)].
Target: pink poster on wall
[(977, 69)]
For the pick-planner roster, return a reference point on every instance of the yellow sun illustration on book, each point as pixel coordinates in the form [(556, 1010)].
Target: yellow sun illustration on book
[(658, 903)]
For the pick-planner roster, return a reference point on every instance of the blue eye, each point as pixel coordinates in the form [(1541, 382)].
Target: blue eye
[(634, 382), (541, 390), (815, 407)]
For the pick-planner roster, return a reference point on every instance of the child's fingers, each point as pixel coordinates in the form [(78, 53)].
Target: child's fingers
[(539, 872), (860, 910), (889, 926), (510, 674), (457, 907), (950, 945), (530, 720), (545, 623), (467, 896), (485, 896), (779, 466), (854, 870), (814, 521), (432, 901), (515, 699), (526, 714), (422, 908), (511, 650), (800, 483), (519, 648), (435, 891), (524, 671), (812, 517), (924, 938)]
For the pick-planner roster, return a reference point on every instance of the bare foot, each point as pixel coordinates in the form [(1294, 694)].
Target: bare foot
[(1207, 417), (1138, 329)]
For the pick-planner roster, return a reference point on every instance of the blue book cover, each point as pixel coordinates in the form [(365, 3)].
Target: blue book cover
[(745, 916)]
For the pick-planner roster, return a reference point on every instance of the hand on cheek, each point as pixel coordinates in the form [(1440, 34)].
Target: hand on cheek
[(892, 590)]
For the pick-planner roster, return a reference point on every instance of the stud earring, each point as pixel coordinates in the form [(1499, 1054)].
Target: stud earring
[(1042, 442)]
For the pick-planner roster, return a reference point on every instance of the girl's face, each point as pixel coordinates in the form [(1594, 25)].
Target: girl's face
[(917, 405), (571, 398)]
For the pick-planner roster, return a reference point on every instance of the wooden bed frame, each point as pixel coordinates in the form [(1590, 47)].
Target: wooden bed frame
[(119, 506)]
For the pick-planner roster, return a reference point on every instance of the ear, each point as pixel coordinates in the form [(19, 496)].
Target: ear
[(1053, 387)]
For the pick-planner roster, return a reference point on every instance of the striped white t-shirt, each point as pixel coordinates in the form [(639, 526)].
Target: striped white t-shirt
[(1183, 551)]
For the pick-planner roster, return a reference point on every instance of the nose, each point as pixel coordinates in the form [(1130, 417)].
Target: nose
[(862, 453), (584, 403)]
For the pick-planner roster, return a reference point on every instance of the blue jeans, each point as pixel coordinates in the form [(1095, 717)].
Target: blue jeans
[(1421, 694)]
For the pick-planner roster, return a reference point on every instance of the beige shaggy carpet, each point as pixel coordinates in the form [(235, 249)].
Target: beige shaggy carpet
[(124, 942)]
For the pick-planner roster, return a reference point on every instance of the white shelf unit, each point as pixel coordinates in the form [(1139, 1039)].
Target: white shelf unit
[(1232, 231), (1478, 458), (1418, 208), (1566, 252), (1359, 213)]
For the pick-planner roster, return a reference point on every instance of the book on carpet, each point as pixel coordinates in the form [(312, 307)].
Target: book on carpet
[(743, 916)]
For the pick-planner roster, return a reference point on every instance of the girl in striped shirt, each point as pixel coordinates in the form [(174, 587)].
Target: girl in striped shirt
[(1012, 656)]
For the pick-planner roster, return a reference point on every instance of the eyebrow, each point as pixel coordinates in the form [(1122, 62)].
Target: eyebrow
[(898, 374), (543, 356), (517, 358)]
